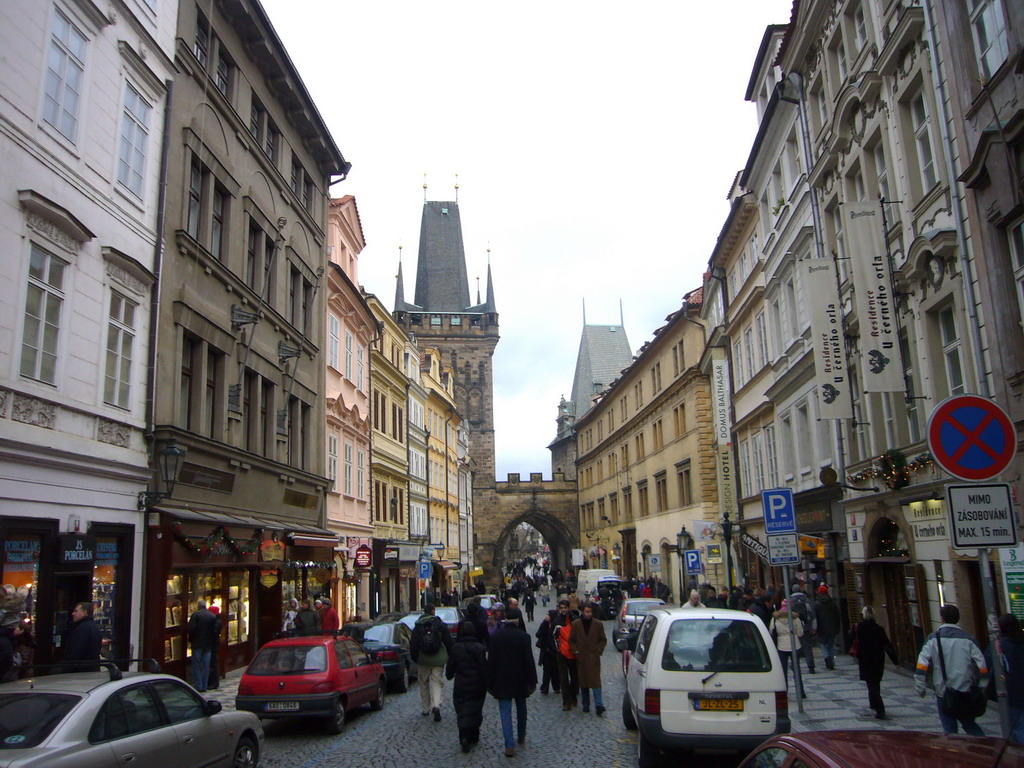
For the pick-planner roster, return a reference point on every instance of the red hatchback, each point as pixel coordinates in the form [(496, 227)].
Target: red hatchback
[(313, 676)]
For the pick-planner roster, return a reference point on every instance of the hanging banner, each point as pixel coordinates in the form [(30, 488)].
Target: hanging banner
[(881, 369), (826, 315), (720, 397), (726, 470)]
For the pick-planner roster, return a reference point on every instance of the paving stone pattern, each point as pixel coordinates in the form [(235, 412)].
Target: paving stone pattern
[(399, 737)]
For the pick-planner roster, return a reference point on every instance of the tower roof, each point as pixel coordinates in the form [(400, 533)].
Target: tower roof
[(604, 353)]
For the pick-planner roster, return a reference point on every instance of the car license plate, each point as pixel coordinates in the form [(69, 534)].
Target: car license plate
[(718, 705), (282, 706)]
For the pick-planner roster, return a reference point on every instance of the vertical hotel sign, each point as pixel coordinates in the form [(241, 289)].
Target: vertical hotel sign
[(826, 313), (726, 467), (880, 365)]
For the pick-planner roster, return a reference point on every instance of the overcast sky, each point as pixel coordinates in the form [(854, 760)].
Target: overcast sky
[(595, 144)]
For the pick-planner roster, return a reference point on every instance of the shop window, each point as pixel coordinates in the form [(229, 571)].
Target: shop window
[(238, 607), (104, 595), (174, 641), (21, 569), (889, 540)]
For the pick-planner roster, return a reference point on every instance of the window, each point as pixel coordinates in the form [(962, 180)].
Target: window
[(179, 702), (44, 302), (348, 469), (263, 129), (951, 351), (841, 60), (772, 478), (333, 341), (757, 462), (349, 340), (220, 204), (737, 356), (207, 210), (361, 474), (213, 402), (989, 33), (224, 69), (120, 339), (259, 261), (627, 503), (913, 414), (188, 350), (131, 163), (1017, 257), (745, 478), (359, 368), (201, 46), (840, 236), (656, 378), (65, 68), (860, 30), (922, 138), (641, 448), (641, 494), (332, 458), (762, 340), (302, 185), (195, 197), (257, 115), (679, 417), (126, 713), (661, 492), (684, 483), (659, 435), (748, 350)]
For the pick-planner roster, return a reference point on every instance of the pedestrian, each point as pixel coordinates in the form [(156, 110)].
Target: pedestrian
[(567, 679), (329, 620), (574, 601), (511, 677), (203, 631), (956, 662), (786, 641), (84, 641), (800, 605), (24, 648), (827, 614), (545, 593), (429, 648), (516, 615), (10, 634), (467, 664), (1010, 646), (713, 599), (587, 641), (291, 611), (548, 661), (529, 603), (307, 620), (478, 616), (870, 645), (694, 601), (759, 606), (213, 679), (494, 620)]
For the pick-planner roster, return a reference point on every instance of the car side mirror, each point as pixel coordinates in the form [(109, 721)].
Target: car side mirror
[(212, 707)]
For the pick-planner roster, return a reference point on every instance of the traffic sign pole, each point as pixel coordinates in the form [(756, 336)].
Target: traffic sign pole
[(794, 655), (988, 590)]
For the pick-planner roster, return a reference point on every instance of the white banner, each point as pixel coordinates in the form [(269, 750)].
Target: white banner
[(720, 397), (703, 530), (881, 369), (826, 314)]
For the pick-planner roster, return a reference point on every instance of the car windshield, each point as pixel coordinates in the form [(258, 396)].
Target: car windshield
[(27, 718), (377, 634), (447, 615), (715, 645), (637, 608), (289, 660)]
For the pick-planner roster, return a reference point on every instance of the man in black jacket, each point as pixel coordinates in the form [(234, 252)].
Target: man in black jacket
[(83, 642), (511, 676), (203, 632), (827, 613)]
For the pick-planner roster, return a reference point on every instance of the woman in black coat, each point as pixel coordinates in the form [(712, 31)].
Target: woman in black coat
[(548, 658), (467, 663), (872, 646)]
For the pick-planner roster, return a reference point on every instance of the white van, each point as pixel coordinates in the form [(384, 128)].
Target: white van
[(587, 579), (703, 679)]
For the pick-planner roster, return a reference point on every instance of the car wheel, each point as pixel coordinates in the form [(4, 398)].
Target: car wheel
[(646, 754), (336, 721), (628, 719), (402, 683), (378, 704), (247, 754)]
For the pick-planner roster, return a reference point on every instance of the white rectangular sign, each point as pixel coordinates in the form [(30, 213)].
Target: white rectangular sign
[(577, 557), (826, 313), (981, 515), (720, 397), (783, 549), (881, 368)]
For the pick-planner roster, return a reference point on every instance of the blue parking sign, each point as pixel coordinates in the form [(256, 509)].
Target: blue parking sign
[(779, 511), (693, 565), (426, 566)]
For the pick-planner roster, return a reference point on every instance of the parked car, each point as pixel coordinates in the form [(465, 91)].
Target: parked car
[(450, 615), (894, 749), (316, 675), (630, 617), (703, 679), (486, 602), (388, 644), (96, 719), (386, 618)]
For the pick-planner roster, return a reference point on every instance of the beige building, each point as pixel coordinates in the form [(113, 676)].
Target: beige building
[(646, 468), (239, 376), (350, 328)]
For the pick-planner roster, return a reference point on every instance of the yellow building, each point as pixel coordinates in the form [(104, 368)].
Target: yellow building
[(645, 464)]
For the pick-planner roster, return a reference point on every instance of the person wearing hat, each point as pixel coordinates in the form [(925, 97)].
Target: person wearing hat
[(494, 620), (694, 601), (307, 620), (827, 613), (329, 619)]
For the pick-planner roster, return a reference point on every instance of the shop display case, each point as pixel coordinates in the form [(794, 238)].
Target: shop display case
[(238, 608), (173, 618)]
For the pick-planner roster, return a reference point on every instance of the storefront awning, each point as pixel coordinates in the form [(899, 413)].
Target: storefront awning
[(304, 535), (446, 564)]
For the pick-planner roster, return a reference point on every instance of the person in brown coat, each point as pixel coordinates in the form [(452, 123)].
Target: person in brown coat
[(587, 640)]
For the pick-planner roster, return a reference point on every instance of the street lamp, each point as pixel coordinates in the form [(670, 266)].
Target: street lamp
[(681, 540), (169, 462), (727, 525)]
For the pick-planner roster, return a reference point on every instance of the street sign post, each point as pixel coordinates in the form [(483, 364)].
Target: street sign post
[(783, 549), (693, 566), (654, 564), (981, 515), (971, 437), (425, 569), (714, 554), (779, 511)]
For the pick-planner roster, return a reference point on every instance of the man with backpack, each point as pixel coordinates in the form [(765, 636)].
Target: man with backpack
[(429, 648)]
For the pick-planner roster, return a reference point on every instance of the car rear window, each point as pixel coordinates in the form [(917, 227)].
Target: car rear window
[(447, 615), (378, 634), (27, 718), (715, 645), (289, 660), (635, 609)]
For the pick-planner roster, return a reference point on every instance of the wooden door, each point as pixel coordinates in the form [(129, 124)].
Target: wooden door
[(897, 610)]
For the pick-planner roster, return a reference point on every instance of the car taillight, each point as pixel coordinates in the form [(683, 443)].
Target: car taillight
[(453, 629), (325, 687), (622, 616), (652, 701), (781, 702), (387, 656), (244, 689)]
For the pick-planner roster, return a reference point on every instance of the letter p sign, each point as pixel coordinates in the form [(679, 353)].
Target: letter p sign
[(779, 511)]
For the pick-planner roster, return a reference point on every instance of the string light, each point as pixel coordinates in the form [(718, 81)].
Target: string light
[(893, 469), (219, 535)]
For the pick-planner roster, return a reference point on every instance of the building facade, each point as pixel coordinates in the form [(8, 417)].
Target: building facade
[(82, 115)]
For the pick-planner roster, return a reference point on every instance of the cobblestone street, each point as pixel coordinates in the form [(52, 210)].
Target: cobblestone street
[(398, 737)]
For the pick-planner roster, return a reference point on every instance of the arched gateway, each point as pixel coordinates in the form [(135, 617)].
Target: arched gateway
[(466, 335)]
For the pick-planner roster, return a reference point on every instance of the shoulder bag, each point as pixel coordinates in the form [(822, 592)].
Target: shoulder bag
[(967, 705)]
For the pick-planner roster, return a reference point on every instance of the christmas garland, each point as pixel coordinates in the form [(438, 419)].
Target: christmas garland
[(893, 469), (219, 535)]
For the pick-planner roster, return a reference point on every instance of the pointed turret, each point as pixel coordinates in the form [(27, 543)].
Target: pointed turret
[(441, 281)]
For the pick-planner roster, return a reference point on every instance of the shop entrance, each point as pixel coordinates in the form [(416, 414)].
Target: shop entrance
[(69, 590)]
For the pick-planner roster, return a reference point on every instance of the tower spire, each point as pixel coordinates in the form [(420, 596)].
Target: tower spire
[(424, 186), (456, 187), (400, 284), (622, 320), (584, 311), (478, 289)]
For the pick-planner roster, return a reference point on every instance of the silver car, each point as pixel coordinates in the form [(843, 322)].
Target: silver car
[(111, 719), (630, 617)]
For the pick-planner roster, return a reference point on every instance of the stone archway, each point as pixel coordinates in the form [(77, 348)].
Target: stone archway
[(554, 531)]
